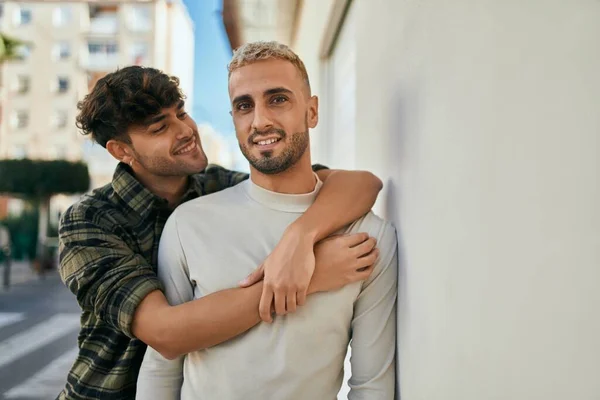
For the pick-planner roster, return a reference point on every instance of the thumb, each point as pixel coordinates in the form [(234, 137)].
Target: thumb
[(253, 278)]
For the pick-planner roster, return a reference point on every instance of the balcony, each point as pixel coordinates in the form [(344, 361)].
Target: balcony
[(100, 62), (101, 55), (107, 24), (104, 20)]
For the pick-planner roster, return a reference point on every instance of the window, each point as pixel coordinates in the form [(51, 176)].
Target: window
[(140, 18), (139, 53), (107, 48), (104, 19), (103, 55), (20, 119), (23, 84), (23, 16), (60, 119), (111, 48), (62, 50), (62, 84), (23, 52), (62, 16)]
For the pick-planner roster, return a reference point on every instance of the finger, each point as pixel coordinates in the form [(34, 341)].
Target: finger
[(365, 247), (257, 275), (291, 302), (355, 238), (364, 273), (264, 309), (280, 302), (301, 297), (368, 259)]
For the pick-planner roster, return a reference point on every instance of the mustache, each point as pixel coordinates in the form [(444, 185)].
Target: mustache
[(256, 133)]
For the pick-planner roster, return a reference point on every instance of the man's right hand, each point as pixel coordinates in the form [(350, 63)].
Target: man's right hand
[(343, 259)]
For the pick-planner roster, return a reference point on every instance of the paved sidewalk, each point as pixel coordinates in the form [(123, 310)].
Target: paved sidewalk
[(20, 272)]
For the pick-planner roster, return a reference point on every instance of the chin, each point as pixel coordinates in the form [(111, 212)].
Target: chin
[(198, 167)]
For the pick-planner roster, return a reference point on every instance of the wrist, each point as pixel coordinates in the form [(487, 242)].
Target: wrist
[(304, 229), (312, 289)]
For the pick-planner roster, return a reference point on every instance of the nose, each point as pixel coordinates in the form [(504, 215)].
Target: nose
[(262, 120), (184, 131)]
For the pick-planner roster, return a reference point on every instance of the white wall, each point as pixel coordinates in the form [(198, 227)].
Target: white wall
[(484, 119), (312, 22)]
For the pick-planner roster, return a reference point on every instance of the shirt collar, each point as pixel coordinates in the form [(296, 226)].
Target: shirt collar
[(295, 203), (141, 200)]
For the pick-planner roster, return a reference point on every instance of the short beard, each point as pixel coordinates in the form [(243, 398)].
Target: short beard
[(160, 166), (269, 165)]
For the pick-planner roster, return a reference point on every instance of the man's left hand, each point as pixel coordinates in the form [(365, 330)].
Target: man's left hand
[(287, 272)]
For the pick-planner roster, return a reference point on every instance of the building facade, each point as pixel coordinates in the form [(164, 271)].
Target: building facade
[(70, 46), (482, 119)]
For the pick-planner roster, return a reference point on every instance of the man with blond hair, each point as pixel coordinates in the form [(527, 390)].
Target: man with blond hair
[(300, 355)]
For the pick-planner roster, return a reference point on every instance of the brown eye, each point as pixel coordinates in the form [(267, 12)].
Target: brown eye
[(279, 99)]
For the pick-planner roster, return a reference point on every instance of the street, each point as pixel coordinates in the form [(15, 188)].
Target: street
[(39, 322)]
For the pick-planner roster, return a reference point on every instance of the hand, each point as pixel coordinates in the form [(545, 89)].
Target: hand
[(343, 259), (287, 272)]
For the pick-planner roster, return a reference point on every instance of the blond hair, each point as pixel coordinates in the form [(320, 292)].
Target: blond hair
[(258, 51)]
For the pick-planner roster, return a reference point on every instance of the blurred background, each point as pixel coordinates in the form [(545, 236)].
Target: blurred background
[(482, 118)]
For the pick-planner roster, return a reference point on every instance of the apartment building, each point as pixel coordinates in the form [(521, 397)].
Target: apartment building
[(71, 44)]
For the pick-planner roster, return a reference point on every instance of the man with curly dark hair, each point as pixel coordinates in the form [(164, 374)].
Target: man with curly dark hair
[(109, 239)]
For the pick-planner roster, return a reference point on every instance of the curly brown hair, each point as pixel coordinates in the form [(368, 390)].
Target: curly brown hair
[(126, 97)]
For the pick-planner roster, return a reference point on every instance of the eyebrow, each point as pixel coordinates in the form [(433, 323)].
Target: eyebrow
[(239, 99), (161, 116), (268, 92), (276, 90)]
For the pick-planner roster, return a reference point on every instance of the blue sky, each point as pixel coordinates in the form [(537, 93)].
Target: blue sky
[(211, 100)]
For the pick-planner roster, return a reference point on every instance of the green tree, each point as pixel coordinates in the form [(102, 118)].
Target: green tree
[(38, 180), (9, 48)]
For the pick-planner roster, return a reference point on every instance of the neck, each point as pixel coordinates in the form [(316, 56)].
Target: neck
[(170, 188), (297, 179)]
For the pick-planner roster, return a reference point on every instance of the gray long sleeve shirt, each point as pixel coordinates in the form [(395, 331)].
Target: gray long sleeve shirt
[(210, 244)]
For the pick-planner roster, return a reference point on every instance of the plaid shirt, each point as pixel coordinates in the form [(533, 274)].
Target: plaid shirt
[(108, 252)]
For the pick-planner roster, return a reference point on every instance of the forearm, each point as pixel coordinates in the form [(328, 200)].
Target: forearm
[(344, 197), (198, 324)]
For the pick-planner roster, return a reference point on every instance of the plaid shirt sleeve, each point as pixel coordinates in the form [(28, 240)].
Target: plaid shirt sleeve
[(107, 277)]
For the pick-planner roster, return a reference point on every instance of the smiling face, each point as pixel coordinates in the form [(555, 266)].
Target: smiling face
[(272, 112), (167, 145)]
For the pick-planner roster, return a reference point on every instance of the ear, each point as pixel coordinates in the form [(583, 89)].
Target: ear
[(313, 111), (120, 150)]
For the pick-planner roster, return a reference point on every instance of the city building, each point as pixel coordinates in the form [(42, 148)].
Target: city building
[(71, 44), (483, 120)]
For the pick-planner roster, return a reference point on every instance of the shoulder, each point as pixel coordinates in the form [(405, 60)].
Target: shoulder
[(383, 230), (215, 178), (98, 207), (209, 207)]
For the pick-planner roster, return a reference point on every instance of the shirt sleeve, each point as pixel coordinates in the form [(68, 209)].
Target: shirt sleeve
[(374, 327), (160, 378), (318, 167), (107, 277)]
